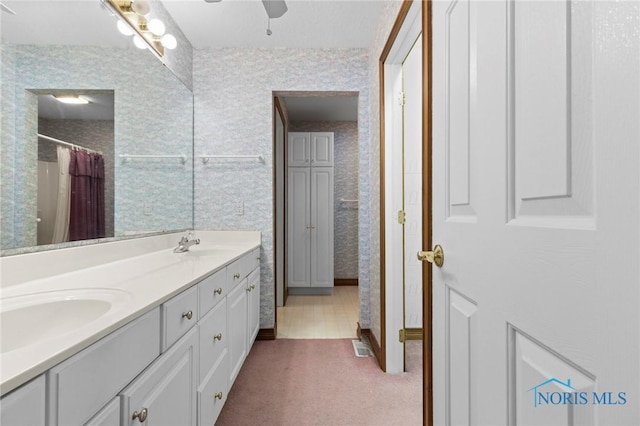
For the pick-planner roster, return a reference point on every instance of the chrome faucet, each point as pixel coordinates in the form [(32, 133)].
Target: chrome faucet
[(185, 242)]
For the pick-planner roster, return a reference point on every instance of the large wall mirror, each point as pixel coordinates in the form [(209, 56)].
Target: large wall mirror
[(137, 127)]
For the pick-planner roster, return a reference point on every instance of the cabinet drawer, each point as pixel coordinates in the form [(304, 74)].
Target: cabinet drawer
[(213, 393), (250, 261), (213, 338), (234, 274), (108, 416), (25, 406), (178, 316), (211, 290), (83, 384)]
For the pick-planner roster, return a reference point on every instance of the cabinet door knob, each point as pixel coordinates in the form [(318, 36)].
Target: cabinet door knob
[(236, 276), (141, 416), (187, 315), (218, 395), (248, 289), (218, 337), (218, 291), (253, 287)]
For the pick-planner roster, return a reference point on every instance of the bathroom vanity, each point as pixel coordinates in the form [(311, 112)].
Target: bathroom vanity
[(135, 334)]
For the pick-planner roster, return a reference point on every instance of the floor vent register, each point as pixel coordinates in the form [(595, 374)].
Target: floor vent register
[(361, 349)]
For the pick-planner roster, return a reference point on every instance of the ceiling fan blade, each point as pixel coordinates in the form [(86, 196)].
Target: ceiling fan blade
[(275, 8)]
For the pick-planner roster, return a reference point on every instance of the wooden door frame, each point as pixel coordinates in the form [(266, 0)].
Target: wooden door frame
[(426, 197), (278, 109)]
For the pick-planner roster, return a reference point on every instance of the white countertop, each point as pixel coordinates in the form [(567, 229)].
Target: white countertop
[(136, 284)]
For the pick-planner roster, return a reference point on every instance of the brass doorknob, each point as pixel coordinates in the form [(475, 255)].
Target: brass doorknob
[(436, 256)]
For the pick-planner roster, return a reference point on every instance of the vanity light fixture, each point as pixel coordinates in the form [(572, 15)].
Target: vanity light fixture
[(132, 20), (72, 99)]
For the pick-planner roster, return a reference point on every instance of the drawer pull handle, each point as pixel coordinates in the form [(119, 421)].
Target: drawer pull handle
[(218, 291), (236, 276), (188, 315), (141, 416), (218, 395), (218, 337)]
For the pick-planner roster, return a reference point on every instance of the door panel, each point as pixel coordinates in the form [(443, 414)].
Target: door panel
[(322, 223), (298, 148), (535, 202), (459, 73), (322, 149), (298, 222)]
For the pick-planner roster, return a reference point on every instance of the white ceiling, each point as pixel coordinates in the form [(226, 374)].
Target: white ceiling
[(228, 23), (100, 107), (322, 108), (306, 24)]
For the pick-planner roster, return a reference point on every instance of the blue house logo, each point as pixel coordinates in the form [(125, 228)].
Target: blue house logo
[(547, 397)]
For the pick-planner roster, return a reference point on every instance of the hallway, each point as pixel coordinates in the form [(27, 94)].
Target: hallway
[(320, 317)]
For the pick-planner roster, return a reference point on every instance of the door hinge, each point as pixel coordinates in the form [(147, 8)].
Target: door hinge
[(401, 98), (406, 334), (402, 217)]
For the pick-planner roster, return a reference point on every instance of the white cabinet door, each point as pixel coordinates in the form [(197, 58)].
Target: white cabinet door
[(237, 325), (165, 394), (253, 313), (299, 227), (24, 406), (321, 149), (321, 260), (298, 148)]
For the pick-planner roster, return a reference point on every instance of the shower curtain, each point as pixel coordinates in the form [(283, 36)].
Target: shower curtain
[(87, 196), (61, 225)]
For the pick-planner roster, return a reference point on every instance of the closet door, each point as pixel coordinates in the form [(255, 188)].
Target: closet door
[(299, 227), (322, 149), (299, 146), (322, 227)]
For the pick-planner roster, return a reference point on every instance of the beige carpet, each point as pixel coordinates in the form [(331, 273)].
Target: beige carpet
[(321, 382)]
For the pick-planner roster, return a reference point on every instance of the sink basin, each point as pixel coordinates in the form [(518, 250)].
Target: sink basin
[(32, 318)]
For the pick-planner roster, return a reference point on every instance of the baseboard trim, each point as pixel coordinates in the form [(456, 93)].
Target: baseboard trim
[(310, 291), (375, 346), (266, 334), (345, 281)]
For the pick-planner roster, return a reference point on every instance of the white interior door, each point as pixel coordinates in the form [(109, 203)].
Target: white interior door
[(402, 138), (321, 227), (298, 227), (536, 204), (412, 184)]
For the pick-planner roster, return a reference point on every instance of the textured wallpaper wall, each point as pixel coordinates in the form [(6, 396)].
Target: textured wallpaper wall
[(153, 115), (233, 96), (387, 19), (345, 175)]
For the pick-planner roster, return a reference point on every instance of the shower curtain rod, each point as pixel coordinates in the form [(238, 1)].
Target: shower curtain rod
[(72, 145)]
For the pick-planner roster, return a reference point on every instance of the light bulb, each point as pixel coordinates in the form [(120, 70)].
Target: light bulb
[(139, 42), (156, 26), (141, 7), (169, 41), (124, 28)]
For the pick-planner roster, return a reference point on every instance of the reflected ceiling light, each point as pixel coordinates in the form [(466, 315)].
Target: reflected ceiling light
[(156, 27), (124, 28), (139, 42), (72, 99), (132, 21), (169, 41), (141, 7)]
